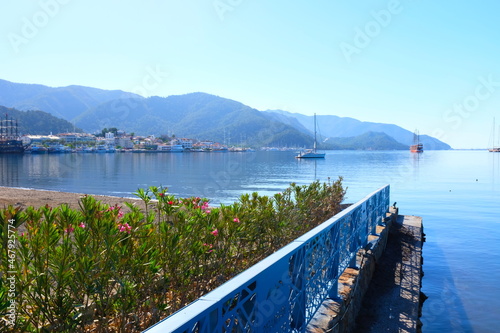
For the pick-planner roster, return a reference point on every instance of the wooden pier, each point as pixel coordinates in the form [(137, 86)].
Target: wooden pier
[(383, 293)]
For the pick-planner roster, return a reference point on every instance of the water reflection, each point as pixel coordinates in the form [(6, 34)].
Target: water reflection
[(494, 161), (444, 310), (9, 171)]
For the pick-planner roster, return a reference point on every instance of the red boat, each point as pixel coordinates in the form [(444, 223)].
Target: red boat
[(416, 147)]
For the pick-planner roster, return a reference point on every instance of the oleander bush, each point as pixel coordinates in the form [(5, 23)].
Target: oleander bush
[(97, 269)]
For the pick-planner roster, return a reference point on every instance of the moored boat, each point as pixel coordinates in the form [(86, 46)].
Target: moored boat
[(11, 146), (34, 149), (58, 149), (176, 148), (10, 143), (417, 146), (311, 153), (494, 148)]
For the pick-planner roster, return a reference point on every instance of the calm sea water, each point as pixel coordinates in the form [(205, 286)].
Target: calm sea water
[(456, 192)]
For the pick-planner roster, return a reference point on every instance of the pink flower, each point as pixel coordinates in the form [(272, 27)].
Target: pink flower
[(117, 208), (215, 232), (237, 220), (208, 211), (69, 229), (82, 225), (170, 202), (209, 246), (124, 228), (161, 195)]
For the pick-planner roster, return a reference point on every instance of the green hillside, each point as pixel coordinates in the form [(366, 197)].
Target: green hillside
[(198, 115), (366, 141), (37, 122)]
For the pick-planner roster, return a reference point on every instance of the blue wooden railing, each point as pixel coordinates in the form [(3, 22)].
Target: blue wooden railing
[(282, 292)]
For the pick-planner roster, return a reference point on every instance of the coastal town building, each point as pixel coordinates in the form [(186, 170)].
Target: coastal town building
[(111, 141), (125, 142), (184, 142), (30, 139), (76, 137)]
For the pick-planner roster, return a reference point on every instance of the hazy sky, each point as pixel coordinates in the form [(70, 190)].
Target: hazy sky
[(420, 64)]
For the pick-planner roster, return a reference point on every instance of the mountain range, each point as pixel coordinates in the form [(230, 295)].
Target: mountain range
[(345, 127), (204, 117)]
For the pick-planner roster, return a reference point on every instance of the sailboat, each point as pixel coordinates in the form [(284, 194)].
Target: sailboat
[(417, 146), (494, 149), (311, 153)]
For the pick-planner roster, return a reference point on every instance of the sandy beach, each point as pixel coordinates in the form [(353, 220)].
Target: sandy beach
[(29, 197)]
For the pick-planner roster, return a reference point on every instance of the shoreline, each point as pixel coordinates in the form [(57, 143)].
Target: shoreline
[(25, 197)]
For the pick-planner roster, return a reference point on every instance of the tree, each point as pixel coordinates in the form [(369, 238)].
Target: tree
[(105, 130)]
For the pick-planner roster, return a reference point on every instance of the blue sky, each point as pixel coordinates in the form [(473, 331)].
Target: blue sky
[(419, 64)]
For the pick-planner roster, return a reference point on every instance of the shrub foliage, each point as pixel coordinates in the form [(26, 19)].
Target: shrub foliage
[(98, 269)]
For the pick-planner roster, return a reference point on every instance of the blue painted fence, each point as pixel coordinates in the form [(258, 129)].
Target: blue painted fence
[(282, 292)]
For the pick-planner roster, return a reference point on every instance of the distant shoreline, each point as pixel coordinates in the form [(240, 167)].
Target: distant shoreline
[(25, 197)]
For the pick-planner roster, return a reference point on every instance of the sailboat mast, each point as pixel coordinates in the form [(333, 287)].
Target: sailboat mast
[(498, 138), (493, 131), (493, 140), (314, 132)]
